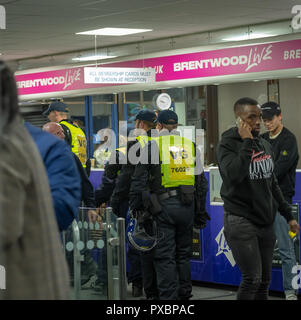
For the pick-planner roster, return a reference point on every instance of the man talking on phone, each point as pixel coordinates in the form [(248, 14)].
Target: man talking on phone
[(251, 196)]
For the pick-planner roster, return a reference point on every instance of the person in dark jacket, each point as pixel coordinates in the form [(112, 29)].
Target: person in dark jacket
[(285, 148), (177, 193), (74, 135), (145, 121), (87, 195), (62, 174), (88, 266), (251, 196)]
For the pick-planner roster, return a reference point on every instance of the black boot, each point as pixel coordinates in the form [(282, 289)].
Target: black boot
[(137, 289)]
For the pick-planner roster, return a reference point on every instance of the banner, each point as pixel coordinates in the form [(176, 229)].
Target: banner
[(221, 62)]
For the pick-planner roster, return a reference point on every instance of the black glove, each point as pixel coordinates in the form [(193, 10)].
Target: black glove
[(200, 220)]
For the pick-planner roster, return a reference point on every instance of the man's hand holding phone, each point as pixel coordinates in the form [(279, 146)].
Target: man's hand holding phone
[(244, 129)]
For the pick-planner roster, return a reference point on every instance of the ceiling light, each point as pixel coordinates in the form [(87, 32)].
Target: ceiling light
[(113, 31), (249, 36), (92, 58)]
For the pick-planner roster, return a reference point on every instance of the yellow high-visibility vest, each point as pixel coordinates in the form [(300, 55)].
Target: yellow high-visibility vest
[(143, 140), (79, 142), (177, 156)]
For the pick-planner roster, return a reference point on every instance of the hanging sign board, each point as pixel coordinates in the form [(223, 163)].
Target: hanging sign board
[(119, 75), (220, 62)]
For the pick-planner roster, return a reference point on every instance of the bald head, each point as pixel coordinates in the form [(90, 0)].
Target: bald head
[(55, 129)]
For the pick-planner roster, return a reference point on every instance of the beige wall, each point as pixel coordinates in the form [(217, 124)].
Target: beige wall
[(228, 94), (290, 103)]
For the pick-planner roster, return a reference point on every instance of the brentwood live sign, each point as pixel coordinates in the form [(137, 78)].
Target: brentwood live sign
[(229, 61)]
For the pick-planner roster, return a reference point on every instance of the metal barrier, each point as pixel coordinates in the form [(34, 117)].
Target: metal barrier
[(77, 258), (96, 255), (122, 258)]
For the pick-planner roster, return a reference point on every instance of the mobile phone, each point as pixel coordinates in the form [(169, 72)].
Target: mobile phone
[(238, 121)]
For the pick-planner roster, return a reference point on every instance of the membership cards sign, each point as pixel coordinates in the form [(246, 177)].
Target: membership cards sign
[(99, 75)]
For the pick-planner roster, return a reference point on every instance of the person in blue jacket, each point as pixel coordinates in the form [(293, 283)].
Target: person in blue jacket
[(63, 176)]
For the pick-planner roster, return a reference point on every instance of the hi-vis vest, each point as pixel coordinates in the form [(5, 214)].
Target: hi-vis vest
[(143, 140), (79, 142), (177, 157)]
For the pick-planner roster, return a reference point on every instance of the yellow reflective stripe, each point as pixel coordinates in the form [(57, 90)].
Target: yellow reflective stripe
[(79, 142), (122, 150), (143, 140)]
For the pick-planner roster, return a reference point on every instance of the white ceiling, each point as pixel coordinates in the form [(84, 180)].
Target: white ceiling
[(46, 27)]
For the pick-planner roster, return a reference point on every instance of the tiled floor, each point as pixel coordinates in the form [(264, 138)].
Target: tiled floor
[(200, 292), (207, 292)]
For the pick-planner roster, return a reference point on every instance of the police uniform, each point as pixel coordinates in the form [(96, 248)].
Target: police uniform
[(176, 186), (74, 135), (78, 140), (120, 172)]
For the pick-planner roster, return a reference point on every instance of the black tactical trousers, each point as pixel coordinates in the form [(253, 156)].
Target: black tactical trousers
[(149, 275), (173, 252)]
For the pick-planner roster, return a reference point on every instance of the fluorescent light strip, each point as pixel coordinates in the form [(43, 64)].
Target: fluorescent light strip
[(92, 58), (249, 37), (113, 31)]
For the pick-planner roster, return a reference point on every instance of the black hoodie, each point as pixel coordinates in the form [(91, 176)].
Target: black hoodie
[(250, 188), (285, 148)]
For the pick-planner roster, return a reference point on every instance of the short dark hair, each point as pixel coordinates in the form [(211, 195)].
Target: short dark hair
[(242, 102)]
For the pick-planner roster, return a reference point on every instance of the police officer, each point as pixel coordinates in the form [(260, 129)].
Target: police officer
[(119, 171), (74, 135), (173, 180)]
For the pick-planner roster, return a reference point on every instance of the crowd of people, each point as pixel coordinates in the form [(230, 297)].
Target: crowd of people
[(44, 179)]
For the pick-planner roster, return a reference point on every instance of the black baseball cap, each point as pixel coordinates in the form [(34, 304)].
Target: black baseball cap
[(56, 106), (270, 109), (146, 115), (167, 117)]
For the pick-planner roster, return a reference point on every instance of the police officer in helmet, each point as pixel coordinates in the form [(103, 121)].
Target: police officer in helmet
[(176, 184)]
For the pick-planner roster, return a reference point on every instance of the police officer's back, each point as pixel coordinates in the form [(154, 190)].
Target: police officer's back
[(74, 135), (172, 182), (119, 170)]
